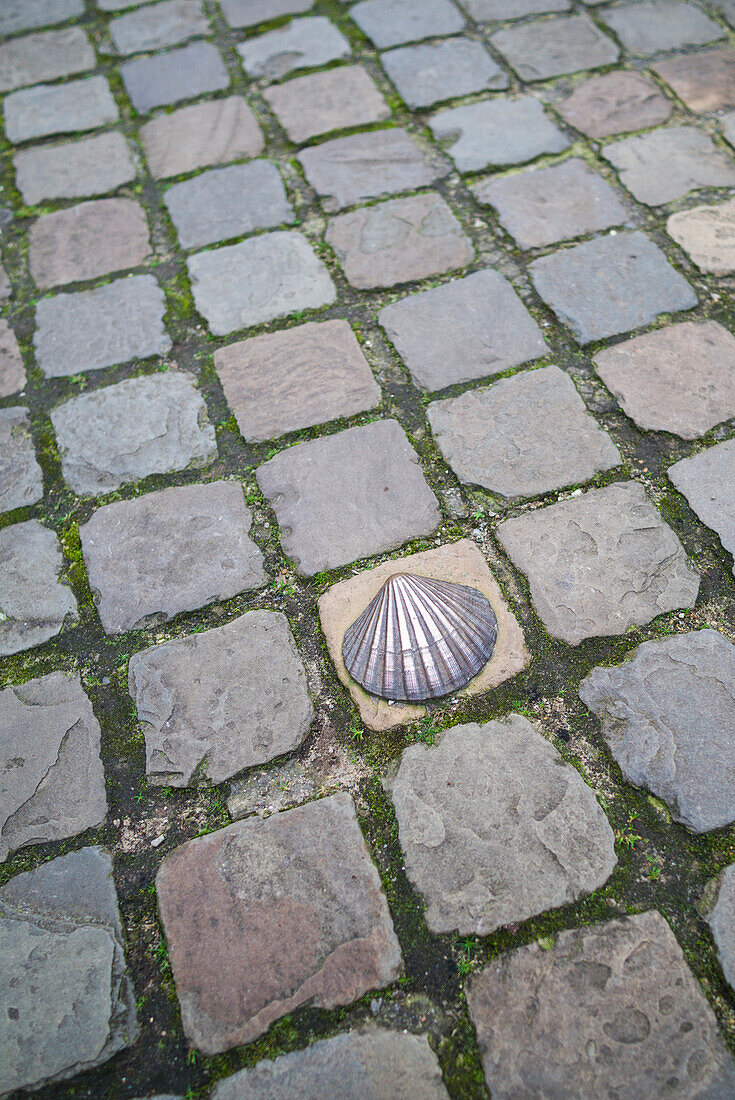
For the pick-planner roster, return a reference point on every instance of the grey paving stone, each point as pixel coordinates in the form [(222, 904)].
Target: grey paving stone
[(427, 74), (5, 288), (200, 136), (495, 132), (228, 202), (615, 103), (399, 241), (12, 373), (705, 80), (668, 716), (379, 500), (257, 375), (91, 329), (610, 284), (170, 77), (35, 605), (59, 108), (371, 1062), (54, 783), (166, 24), (708, 482), (706, 234), (321, 102), (487, 11), (351, 169), (726, 8), (75, 169), (392, 22), (120, 5), (544, 205), (666, 164), (466, 329), (44, 56), (301, 44), (722, 922), (141, 426), (606, 1009), (60, 932), (19, 15), (600, 562), (212, 704), (301, 887), (174, 550), (678, 379), (21, 481), (268, 276), (248, 13), (524, 436), (645, 28), (551, 47)]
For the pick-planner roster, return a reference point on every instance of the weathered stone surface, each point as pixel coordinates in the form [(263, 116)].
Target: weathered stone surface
[(550, 47), (59, 108), (300, 887), (600, 562), (461, 562), (704, 80), (722, 922), (364, 166), (708, 482), (466, 329), (141, 426), (301, 44), (201, 135), (164, 78), (53, 784), (320, 102), (44, 56), (379, 500), (212, 704), (392, 22), (35, 605), (12, 373), (97, 328), (678, 379), (399, 241), (268, 276), (166, 24), (495, 132), (668, 163), (369, 1062), (609, 1009), (487, 11), (610, 284), (19, 15), (544, 205), (75, 169), (707, 233), (523, 436), (21, 482), (88, 240), (248, 13), (119, 5), (170, 551), (5, 288), (427, 74), (645, 28), (257, 375), (615, 103)]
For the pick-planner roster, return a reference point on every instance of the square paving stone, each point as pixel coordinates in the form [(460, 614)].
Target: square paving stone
[(551, 47), (524, 436), (170, 77), (379, 500), (708, 482), (75, 169), (488, 11), (35, 604), (466, 329), (19, 15), (645, 28), (610, 284), (302, 44), (544, 205), (615, 103), (257, 375), (707, 234), (53, 785), (142, 426), (248, 13), (668, 717), (392, 22), (399, 241), (200, 136), (212, 704), (60, 933), (460, 562), (44, 56), (515, 832), (301, 890), (705, 81), (351, 169), (721, 920), (268, 276), (59, 108), (667, 164), (610, 1004), (85, 241), (91, 329), (495, 132), (166, 24), (678, 379), (21, 481), (600, 563), (174, 550), (228, 202), (436, 71), (321, 102), (12, 372)]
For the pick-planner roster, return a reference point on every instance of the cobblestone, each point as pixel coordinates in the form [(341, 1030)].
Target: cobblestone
[(44, 56), (76, 169), (706, 234), (302, 44), (496, 132), (722, 922), (199, 136), (487, 11), (708, 482), (654, 25), (35, 604), (391, 22), (320, 102), (17, 15), (21, 481), (166, 24), (248, 13), (427, 74), (551, 47), (86, 241), (12, 373), (704, 80), (59, 108), (614, 104), (667, 164), (170, 77), (5, 288)]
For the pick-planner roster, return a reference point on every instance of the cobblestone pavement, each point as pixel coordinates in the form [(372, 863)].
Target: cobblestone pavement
[(294, 295)]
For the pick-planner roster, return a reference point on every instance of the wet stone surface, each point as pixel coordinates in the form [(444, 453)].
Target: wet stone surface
[(615, 103), (427, 74), (492, 133), (35, 604), (550, 47), (707, 480), (200, 136), (332, 100), (21, 481), (88, 240)]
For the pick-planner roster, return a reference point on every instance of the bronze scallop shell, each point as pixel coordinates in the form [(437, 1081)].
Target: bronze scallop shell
[(420, 638)]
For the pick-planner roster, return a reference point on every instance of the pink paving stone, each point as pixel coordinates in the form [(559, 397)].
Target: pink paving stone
[(88, 240), (321, 102), (217, 132), (614, 104), (707, 234), (704, 80)]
